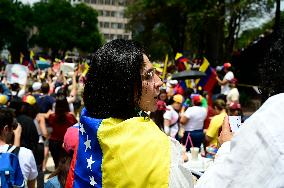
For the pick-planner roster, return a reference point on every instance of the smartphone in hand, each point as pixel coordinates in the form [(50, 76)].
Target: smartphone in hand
[(235, 123)]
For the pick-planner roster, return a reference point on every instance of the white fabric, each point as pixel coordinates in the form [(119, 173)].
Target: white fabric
[(256, 158), (180, 177), (233, 96), (173, 116), (196, 116), (26, 160), (225, 88)]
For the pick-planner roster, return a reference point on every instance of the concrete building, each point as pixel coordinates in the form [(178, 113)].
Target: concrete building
[(112, 22)]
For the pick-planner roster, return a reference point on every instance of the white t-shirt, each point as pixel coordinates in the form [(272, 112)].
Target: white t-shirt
[(26, 160), (225, 88), (233, 96), (173, 116), (196, 116)]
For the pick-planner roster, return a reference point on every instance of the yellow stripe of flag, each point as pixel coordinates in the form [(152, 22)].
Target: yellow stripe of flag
[(203, 68)]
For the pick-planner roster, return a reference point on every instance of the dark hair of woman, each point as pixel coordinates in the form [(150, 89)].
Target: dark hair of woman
[(6, 118), (63, 167), (30, 110), (219, 104), (61, 108), (114, 85), (272, 69)]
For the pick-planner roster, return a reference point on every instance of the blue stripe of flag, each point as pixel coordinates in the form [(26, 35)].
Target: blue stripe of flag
[(82, 174), (205, 79)]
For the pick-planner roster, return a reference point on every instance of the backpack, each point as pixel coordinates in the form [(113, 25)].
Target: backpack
[(10, 171)]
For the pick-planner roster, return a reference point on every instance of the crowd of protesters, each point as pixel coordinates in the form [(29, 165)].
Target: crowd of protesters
[(44, 108), (184, 112), (50, 103), (114, 128)]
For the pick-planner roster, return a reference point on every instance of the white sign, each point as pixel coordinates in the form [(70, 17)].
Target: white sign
[(17, 73), (235, 123), (67, 67)]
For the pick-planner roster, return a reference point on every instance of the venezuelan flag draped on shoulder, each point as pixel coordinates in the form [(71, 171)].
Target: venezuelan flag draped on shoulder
[(124, 153)]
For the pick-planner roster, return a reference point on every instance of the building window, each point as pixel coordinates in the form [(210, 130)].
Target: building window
[(121, 2), (125, 37), (101, 24), (106, 36), (120, 14), (119, 25), (111, 36), (114, 25), (94, 1), (106, 25), (112, 13)]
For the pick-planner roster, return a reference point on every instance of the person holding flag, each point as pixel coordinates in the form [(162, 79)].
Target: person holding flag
[(229, 75)]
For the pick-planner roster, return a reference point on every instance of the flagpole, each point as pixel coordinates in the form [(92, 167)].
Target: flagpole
[(165, 67)]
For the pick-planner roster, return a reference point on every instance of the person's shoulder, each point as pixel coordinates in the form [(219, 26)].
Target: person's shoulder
[(25, 155), (279, 98), (218, 117), (52, 183), (25, 151)]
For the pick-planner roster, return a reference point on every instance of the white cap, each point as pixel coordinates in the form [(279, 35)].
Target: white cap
[(173, 82), (36, 86)]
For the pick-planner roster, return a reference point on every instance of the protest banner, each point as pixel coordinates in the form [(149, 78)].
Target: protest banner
[(16, 73), (67, 68)]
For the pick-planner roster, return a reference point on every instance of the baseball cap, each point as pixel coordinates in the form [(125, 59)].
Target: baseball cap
[(36, 86), (162, 105), (71, 138), (196, 99), (227, 65), (173, 82), (234, 106), (3, 99), (29, 99), (178, 98)]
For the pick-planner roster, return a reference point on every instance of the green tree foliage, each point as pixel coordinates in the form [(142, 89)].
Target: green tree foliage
[(239, 11), (250, 35), (62, 27), (14, 27), (88, 38), (52, 24), (207, 28)]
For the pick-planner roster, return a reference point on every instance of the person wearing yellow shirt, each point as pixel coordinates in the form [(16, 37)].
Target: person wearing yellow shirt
[(212, 132)]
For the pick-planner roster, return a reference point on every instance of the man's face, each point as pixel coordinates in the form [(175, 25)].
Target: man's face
[(150, 87)]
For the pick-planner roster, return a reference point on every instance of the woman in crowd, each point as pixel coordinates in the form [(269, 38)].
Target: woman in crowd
[(59, 121), (119, 146)]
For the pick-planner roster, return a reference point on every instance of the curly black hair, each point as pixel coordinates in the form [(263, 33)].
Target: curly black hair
[(272, 69), (113, 83)]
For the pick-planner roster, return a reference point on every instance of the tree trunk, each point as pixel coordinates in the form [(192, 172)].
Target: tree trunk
[(277, 16), (214, 36)]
